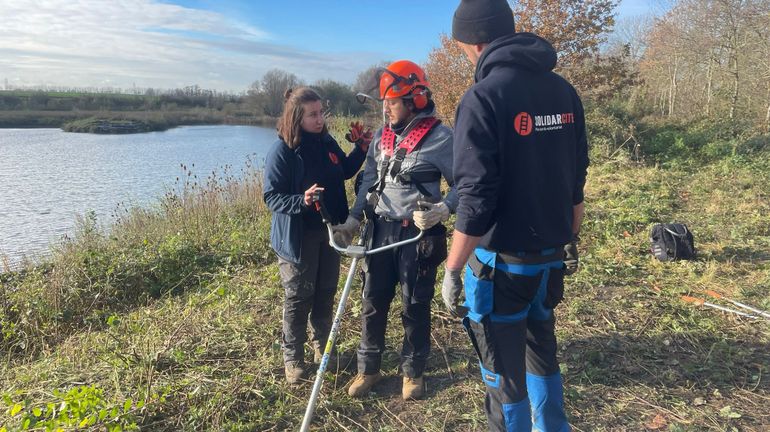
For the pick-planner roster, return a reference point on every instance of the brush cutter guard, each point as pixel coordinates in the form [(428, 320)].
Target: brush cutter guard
[(356, 252)]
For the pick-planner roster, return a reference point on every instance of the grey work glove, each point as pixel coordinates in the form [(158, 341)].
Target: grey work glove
[(571, 259), (344, 232), (433, 214), (451, 289), (341, 237)]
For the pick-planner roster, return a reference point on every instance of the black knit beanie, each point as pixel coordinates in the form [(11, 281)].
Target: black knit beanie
[(482, 21)]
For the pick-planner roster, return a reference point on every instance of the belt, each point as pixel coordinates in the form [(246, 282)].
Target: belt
[(403, 222), (532, 257)]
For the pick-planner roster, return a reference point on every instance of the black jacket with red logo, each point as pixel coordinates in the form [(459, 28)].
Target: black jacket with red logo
[(327, 166), (520, 150)]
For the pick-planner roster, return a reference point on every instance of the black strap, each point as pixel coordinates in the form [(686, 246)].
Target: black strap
[(376, 189), (398, 159), (395, 173)]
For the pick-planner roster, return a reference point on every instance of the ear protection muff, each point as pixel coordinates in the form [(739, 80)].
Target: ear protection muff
[(420, 97)]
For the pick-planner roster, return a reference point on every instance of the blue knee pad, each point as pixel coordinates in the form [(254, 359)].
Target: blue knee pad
[(546, 398), (517, 416)]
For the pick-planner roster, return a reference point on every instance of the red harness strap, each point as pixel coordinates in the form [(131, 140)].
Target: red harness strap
[(412, 139)]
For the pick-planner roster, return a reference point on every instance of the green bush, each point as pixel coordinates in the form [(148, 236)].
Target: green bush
[(78, 408)]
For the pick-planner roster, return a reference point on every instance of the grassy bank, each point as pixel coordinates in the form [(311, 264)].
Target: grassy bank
[(156, 119), (170, 320)]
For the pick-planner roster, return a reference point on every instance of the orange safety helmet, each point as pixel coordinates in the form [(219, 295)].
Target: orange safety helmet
[(405, 79)]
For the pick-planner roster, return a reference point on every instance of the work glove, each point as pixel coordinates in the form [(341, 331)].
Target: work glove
[(341, 237), (451, 289), (433, 214), (571, 256), (344, 232), (358, 136)]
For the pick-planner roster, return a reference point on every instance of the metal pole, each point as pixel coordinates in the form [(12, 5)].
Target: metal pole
[(739, 304), (701, 302), (328, 350)]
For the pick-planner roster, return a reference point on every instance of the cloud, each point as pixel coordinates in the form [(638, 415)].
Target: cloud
[(92, 42)]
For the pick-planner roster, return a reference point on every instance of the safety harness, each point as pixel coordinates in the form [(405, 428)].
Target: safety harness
[(406, 146)]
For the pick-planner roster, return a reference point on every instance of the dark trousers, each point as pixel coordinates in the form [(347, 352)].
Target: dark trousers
[(511, 326), (309, 288), (413, 267)]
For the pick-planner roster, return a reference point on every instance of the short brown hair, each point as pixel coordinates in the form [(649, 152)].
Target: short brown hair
[(289, 124)]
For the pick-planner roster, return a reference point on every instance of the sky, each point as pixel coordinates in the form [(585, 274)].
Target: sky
[(216, 44)]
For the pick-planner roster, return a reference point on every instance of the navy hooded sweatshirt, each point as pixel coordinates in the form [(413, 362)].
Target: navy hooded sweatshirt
[(520, 149), (290, 172)]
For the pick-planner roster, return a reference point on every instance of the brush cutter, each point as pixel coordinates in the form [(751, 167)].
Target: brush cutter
[(356, 252), (700, 302), (739, 304)]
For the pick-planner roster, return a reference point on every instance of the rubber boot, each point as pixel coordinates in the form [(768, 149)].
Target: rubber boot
[(413, 388), (295, 372), (546, 398), (362, 384)]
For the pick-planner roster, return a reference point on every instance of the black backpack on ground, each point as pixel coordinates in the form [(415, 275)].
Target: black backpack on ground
[(671, 242)]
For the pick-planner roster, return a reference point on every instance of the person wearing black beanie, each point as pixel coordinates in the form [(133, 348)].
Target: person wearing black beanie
[(482, 21), (520, 164)]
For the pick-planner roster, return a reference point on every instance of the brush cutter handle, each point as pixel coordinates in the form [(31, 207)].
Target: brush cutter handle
[(318, 202), (397, 244), (359, 250)]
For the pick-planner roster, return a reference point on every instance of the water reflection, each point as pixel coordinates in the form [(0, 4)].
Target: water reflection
[(48, 177)]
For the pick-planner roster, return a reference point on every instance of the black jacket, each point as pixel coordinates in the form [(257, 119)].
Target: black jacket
[(288, 173), (520, 150)]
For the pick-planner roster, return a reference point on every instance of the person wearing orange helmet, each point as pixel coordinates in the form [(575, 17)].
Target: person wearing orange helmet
[(400, 193)]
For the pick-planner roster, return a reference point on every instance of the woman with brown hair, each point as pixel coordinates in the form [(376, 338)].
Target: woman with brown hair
[(304, 161)]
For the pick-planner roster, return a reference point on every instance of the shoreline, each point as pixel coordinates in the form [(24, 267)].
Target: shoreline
[(141, 121)]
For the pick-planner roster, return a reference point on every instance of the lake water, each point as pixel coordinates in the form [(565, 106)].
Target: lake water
[(48, 177)]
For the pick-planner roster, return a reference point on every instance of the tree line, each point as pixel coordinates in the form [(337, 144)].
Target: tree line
[(267, 94), (711, 58), (700, 59), (263, 98)]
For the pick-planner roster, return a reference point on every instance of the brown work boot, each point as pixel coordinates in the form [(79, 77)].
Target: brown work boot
[(413, 388), (362, 384), (295, 372)]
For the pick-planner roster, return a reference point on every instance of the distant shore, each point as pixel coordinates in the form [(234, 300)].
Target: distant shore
[(125, 113), (121, 122)]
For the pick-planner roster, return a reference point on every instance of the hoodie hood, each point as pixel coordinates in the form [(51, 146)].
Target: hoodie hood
[(525, 50)]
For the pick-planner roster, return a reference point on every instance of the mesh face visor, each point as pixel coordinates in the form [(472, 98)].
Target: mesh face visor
[(385, 84)]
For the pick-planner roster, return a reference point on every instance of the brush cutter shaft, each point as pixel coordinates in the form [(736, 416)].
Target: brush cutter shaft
[(357, 252), (329, 346), (722, 308), (700, 302), (747, 307), (739, 304)]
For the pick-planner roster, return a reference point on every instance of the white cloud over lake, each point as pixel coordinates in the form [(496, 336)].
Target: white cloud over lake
[(100, 43)]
